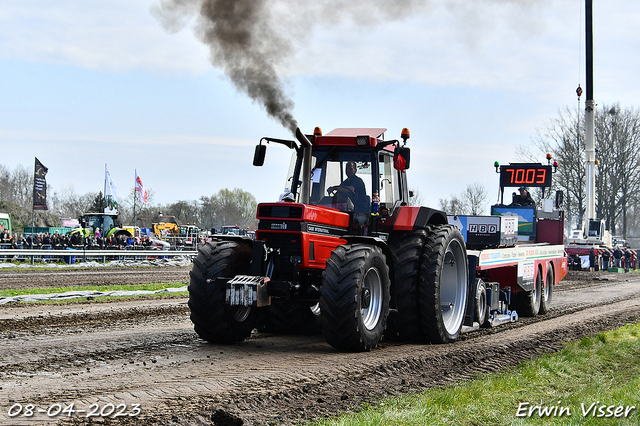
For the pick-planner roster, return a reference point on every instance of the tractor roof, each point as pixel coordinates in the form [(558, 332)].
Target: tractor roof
[(373, 132), (351, 137)]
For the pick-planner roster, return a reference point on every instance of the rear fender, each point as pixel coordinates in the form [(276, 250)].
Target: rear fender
[(410, 218), (241, 239), (237, 238)]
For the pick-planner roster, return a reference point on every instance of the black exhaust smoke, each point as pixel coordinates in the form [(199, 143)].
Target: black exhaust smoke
[(249, 39), (241, 43)]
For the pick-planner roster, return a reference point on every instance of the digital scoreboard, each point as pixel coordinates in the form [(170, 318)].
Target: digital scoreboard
[(532, 175)]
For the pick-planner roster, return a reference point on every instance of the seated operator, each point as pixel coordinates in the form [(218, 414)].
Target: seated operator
[(524, 198), (352, 187)]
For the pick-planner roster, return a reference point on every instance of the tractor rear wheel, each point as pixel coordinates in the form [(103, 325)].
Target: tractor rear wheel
[(404, 322), (212, 318), (443, 284), (354, 297)]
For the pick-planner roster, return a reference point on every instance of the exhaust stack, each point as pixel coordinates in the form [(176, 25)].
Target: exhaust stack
[(305, 189)]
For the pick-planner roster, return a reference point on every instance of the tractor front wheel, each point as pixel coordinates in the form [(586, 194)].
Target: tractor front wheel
[(212, 318), (354, 297)]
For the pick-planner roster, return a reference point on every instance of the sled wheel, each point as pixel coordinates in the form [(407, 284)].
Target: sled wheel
[(547, 293), (529, 301), (481, 312)]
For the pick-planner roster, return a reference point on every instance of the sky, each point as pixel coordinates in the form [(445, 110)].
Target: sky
[(84, 84)]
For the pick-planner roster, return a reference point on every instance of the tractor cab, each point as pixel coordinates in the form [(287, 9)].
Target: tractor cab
[(104, 221), (351, 170)]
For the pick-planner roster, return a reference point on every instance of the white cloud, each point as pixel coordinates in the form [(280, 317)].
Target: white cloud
[(110, 36)]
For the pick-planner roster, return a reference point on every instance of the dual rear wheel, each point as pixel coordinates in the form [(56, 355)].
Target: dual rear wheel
[(431, 284)]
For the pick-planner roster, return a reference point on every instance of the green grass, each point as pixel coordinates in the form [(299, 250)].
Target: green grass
[(126, 287), (604, 369)]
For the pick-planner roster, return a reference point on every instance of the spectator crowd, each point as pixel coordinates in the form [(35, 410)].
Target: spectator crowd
[(59, 241)]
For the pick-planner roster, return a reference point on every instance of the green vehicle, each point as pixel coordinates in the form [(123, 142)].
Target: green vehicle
[(105, 221), (5, 222)]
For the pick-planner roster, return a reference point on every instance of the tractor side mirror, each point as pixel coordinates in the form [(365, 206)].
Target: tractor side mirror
[(402, 158), (258, 156), (559, 199)]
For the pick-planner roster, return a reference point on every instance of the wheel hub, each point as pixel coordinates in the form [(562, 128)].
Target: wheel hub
[(366, 298)]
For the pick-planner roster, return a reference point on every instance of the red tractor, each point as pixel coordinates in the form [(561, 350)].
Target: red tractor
[(342, 252)]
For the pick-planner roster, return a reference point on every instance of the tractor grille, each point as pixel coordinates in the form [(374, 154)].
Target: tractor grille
[(290, 252), (289, 244), (285, 212)]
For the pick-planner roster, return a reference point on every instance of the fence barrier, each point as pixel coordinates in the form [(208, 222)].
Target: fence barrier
[(73, 255)]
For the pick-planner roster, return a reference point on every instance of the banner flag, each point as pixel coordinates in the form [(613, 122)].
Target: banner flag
[(110, 193), (39, 186), (140, 189)]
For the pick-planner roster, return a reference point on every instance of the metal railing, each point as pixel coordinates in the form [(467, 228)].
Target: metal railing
[(71, 255)]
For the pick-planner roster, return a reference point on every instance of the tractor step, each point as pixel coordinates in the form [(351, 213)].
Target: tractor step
[(247, 290)]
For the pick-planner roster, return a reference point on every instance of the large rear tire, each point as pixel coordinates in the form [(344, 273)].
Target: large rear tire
[(443, 284), (547, 293), (404, 323), (212, 319), (354, 297)]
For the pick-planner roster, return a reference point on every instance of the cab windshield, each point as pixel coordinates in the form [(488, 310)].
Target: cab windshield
[(341, 179)]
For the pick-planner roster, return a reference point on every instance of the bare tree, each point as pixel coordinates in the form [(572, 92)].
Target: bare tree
[(21, 185), (618, 177), (416, 200), (475, 198), (144, 214), (453, 206), (472, 201), (563, 138), (617, 140), (67, 204), (5, 190)]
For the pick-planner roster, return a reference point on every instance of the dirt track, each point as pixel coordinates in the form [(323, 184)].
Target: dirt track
[(15, 278), (145, 352)]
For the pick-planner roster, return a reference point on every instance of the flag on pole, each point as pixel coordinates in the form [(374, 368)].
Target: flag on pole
[(140, 189), (39, 186), (110, 193)]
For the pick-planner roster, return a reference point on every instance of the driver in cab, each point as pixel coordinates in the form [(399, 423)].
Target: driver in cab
[(352, 187)]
